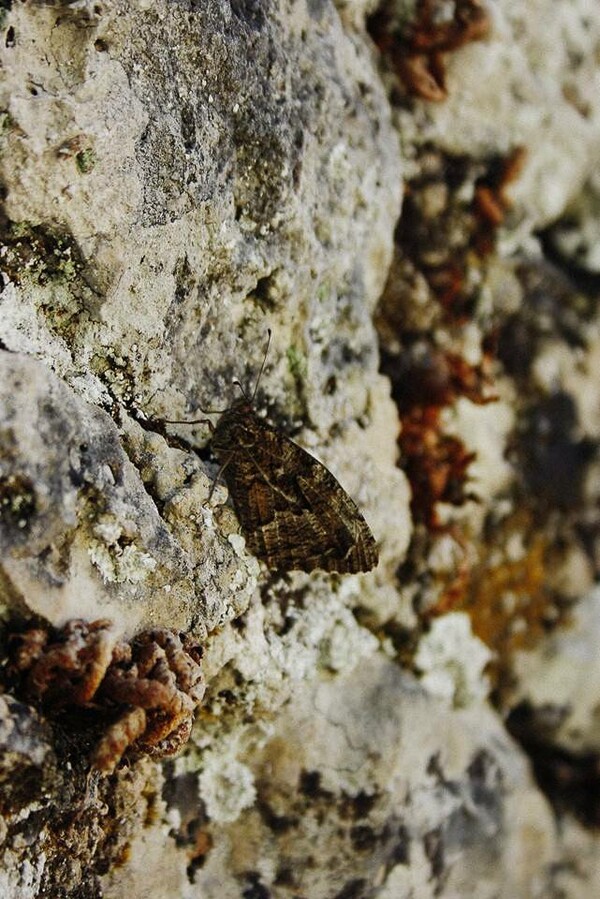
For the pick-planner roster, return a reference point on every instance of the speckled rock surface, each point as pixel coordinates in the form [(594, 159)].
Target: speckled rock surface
[(83, 536), (343, 787), (405, 193)]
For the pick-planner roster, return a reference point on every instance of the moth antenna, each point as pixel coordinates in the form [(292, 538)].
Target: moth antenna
[(237, 384), (262, 368)]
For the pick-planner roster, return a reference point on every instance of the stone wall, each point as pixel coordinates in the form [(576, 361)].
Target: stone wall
[(407, 197)]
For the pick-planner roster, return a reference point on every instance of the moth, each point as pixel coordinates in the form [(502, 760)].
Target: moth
[(294, 514)]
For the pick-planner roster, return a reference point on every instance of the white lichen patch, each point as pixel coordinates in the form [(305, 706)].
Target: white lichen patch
[(346, 644), (317, 633), (226, 786), (272, 658), (108, 529), (121, 565), (452, 661)]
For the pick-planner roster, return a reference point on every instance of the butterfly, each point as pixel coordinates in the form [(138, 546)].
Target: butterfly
[(293, 513)]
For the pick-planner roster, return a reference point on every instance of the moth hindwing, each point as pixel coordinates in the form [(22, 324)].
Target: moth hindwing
[(293, 512)]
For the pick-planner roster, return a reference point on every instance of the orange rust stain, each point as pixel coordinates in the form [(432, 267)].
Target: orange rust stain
[(435, 463), (510, 603)]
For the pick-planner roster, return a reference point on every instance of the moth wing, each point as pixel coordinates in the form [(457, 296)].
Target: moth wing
[(294, 513), (350, 545)]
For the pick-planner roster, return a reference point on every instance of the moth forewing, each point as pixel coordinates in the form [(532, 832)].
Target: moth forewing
[(293, 512)]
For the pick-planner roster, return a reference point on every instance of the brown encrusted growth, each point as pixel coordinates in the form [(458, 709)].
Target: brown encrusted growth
[(492, 200), (424, 381), (155, 683), (417, 51), (435, 463), (293, 512), (163, 678), (78, 825), (122, 734), (68, 669), (444, 240), (431, 378)]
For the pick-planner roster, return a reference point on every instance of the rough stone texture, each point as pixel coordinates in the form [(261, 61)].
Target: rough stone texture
[(177, 178), (26, 748), (82, 536), (533, 83), (350, 802), (283, 187)]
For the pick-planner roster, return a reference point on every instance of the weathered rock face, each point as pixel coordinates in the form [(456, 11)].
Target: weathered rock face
[(283, 189), (177, 179), (83, 536), (347, 802)]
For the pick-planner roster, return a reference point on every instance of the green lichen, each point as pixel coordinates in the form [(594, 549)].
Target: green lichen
[(36, 254), (297, 363), (20, 229), (322, 292), (85, 160)]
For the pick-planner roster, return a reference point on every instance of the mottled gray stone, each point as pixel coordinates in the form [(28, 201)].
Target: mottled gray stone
[(82, 535), (355, 786), (178, 177)]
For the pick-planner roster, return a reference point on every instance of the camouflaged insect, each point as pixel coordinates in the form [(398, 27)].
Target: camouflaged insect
[(293, 512)]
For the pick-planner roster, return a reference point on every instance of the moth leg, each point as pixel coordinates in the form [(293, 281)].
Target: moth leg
[(192, 421), (213, 486)]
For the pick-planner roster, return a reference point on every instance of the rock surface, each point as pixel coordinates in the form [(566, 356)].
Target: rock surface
[(177, 179)]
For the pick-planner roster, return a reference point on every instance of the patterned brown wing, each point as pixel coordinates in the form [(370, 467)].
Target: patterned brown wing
[(293, 512)]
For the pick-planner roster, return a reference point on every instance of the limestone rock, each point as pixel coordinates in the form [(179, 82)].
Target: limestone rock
[(177, 179)]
